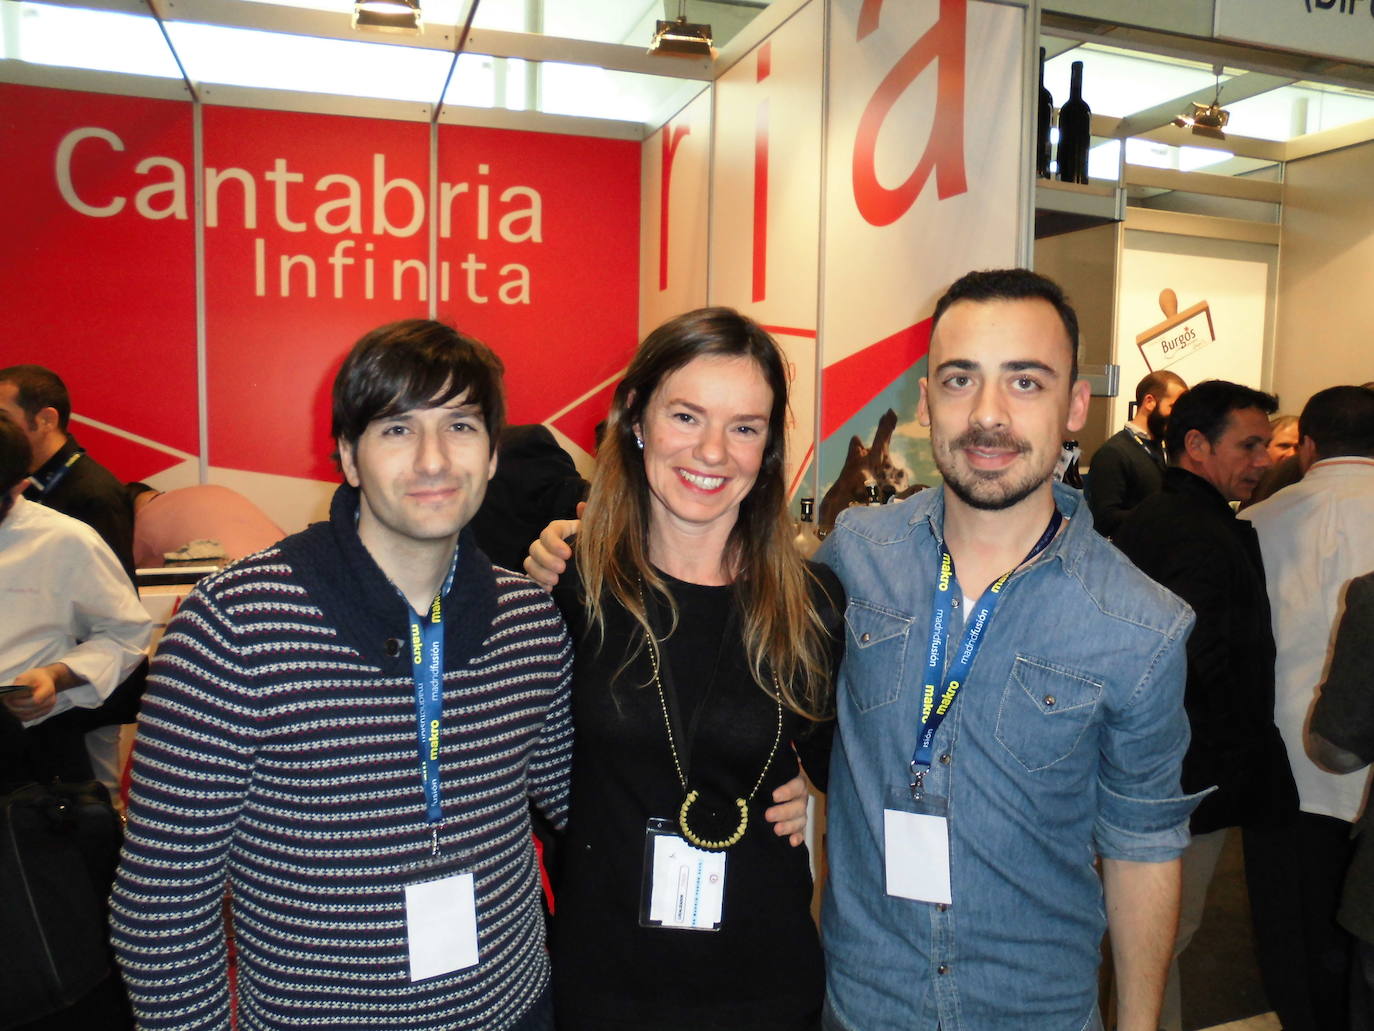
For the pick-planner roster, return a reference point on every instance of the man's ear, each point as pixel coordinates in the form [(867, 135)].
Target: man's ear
[(923, 405), (46, 419), (1080, 394), (1307, 453), (1196, 445), (348, 466)]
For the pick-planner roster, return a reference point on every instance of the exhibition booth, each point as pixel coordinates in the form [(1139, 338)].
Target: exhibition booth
[(211, 199)]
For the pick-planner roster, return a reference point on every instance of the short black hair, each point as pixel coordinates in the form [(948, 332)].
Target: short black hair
[(37, 388), (1157, 384), (415, 363), (15, 453), (1340, 421), (1207, 408), (1013, 284)]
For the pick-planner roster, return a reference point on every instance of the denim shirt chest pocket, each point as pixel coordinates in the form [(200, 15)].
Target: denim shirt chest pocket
[(1045, 709), (875, 653)]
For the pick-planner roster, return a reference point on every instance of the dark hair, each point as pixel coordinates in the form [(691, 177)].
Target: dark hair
[(1013, 284), (1340, 421), (415, 363), (15, 454), (1157, 384), (782, 633), (1207, 408), (38, 388)]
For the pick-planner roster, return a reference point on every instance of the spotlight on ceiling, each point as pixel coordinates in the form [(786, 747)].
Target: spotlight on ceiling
[(681, 38), (1206, 119), (388, 15)]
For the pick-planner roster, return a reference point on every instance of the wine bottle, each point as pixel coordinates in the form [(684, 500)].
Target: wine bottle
[(1075, 131), (1044, 120), (1067, 471)]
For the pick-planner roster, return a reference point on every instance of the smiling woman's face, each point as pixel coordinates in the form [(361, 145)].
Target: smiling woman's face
[(704, 432)]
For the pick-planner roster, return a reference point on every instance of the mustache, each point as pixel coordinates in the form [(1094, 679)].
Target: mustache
[(987, 440)]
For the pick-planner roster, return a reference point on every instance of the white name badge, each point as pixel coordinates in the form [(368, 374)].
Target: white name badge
[(916, 851), (686, 885), (441, 926)]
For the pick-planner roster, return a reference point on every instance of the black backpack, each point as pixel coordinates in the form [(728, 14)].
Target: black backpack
[(59, 844)]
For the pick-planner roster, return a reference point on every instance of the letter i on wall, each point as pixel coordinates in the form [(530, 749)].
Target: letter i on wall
[(760, 277)]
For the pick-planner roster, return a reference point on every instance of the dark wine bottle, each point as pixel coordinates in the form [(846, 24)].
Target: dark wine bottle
[(1071, 477), (1075, 131), (1042, 126)]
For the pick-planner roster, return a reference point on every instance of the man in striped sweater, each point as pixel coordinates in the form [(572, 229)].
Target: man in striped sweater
[(345, 730)]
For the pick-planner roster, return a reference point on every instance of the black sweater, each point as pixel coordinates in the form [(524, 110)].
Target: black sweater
[(762, 968)]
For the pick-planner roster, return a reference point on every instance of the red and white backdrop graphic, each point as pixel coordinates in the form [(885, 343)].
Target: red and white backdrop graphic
[(923, 174), (98, 260), (317, 229), (676, 165), (922, 116), (766, 213)]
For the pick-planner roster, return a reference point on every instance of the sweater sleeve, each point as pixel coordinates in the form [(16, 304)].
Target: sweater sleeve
[(192, 764), (550, 769), (814, 744)]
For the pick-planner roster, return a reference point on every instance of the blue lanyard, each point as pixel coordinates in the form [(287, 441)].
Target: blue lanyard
[(58, 474), (427, 669), (933, 713)]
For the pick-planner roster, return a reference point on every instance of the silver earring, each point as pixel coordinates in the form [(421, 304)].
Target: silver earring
[(640, 442)]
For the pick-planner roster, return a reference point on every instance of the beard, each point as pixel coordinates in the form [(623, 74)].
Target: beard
[(1155, 424), (990, 490)]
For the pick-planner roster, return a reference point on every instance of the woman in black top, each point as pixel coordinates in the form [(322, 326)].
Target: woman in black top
[(705, 652)]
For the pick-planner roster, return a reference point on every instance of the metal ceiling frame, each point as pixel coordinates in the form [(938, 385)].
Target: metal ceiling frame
[(526, 46), (1263, 70)]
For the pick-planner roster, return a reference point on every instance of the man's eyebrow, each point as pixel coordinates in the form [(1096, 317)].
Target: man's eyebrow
[(1019, 365), (963, 364), (1030, 365)]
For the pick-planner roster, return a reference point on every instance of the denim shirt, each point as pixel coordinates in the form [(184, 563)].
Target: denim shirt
[(1064, 743)]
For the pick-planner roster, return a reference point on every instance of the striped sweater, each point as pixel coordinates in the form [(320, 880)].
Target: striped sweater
[(277, 754)]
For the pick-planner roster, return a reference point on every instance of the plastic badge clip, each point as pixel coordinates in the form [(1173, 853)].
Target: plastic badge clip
[(918, 783)]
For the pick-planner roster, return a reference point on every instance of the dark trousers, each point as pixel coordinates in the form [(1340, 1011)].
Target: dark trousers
[(1294, 875)]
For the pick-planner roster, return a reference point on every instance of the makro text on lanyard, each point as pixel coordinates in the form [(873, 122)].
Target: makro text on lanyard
[(942, 614), (427, 669)]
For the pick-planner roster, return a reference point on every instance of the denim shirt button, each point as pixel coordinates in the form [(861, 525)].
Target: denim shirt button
[(942, 906), (1049, 700), (944, 759), (865, 638), (942, 969)]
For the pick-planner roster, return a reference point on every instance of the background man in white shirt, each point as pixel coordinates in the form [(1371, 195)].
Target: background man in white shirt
[(71, 626), (1315, 537)]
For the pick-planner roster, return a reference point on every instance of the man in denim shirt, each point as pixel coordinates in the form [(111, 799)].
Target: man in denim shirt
[(962, 891)]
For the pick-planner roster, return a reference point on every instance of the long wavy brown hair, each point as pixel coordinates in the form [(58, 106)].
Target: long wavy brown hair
[(783, 635)]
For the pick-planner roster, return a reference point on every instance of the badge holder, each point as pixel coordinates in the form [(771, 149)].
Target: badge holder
[(683, 887), (916, 845), (441, 916)]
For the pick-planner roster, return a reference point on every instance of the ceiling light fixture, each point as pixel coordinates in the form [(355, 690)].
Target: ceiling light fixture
[(388, 15), (681, 38), (1206, 119)]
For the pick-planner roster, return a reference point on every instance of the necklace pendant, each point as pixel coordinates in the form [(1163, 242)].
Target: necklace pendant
[(711, 844)]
